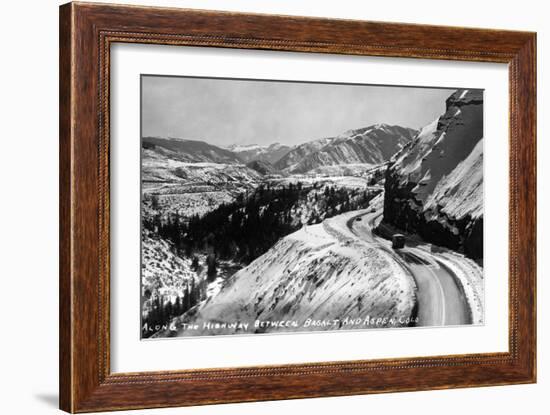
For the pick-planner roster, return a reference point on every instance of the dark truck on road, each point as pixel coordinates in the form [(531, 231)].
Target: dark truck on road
[(398, 241)]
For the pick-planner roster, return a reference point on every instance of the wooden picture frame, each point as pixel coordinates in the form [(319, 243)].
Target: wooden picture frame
[(86, 33)]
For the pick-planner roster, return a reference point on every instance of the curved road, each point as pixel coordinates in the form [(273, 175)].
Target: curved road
[(439, 298)]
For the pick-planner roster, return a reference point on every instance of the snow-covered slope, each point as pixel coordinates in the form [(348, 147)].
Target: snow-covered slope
[(299, 152), (254, 152), (190, 150), (322, 272), (370, 146), (158, 168), (460, 193), (435, 185), (192, 188), (163, 274)]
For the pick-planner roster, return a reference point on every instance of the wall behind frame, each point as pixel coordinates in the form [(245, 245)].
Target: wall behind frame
[(29, 205)]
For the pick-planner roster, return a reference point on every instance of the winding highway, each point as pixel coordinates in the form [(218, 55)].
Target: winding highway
[(440, 300)]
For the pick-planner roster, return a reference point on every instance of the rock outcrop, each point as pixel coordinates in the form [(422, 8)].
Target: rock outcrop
[(434, 187)]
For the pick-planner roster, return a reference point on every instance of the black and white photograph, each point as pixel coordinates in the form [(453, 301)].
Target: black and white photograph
[(272, 206)]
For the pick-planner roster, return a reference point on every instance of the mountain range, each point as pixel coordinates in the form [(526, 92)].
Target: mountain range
[(255, 152), (371, 146)]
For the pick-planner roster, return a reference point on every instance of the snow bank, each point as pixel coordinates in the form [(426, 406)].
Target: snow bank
[(470, 277)]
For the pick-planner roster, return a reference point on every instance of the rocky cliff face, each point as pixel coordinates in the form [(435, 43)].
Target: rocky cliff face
[(370, 145), (434, 187)]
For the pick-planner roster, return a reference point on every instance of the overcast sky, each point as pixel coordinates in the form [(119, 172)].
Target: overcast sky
[(224, 112)]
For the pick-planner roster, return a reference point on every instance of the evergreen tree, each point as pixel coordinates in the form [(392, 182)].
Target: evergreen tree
[(155, 202), (195, 263), (212, 267)]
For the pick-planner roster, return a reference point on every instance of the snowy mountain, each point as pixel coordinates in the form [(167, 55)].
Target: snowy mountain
[(370, 146), (253, 152), (321, 272), (192, 151), (435, 185), (299, 152)]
